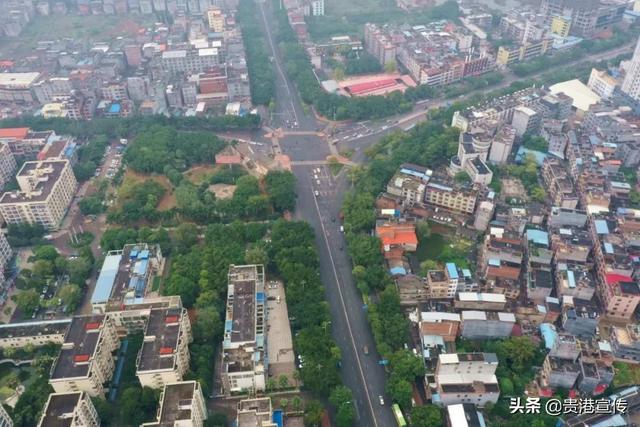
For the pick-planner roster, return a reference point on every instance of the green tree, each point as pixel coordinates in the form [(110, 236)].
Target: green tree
[(71, 296), (400, 390), (283, 382), (27, 301), (185, 237), (427, 416), (342, 398), (428, 265), (79, 270), (280, 186), (257, 255), (423, 230), (390, 67), (462, 178), (506, 387), (313, 413)]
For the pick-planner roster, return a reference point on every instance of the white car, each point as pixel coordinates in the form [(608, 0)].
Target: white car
[(317, 193), (381, 399)]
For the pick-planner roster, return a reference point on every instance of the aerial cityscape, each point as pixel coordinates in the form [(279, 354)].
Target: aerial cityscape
[(287, 213)]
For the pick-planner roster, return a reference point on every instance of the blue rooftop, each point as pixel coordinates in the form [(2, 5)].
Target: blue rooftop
[(549, 335), (105, 281), (398, 271), (538, 156), (538, 237), (601, 226), (114, 108), (452, 270)]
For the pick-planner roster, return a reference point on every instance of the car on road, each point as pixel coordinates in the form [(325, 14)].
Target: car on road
[(317, 193), (381, 399), (365, 350)]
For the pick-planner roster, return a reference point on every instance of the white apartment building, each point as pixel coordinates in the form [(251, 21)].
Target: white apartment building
[(317, 7), (85, 362), (189, 61), (69, 409), (602, 83), (17, 335), (181, 405), (46, 190), (243, 347), (7, 165), (164, 356), (467, 378), (631, 82)]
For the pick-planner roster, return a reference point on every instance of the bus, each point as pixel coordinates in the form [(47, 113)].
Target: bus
[(398, 414)]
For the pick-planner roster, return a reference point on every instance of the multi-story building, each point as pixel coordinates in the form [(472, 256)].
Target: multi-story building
[(588, 16), (479, 301), (164, 356), (125, 276), (467, 378), (181, 404), (559, 184), (378, 44), (557, 372), (602, 83), (560, 25), (575, 280), (579, 317), (618, 290), (17, 87), (24, 143), (464, 415), (409, 184), (484, 214), (85, 362), (509, 55), (7, 165), (567, 218), (216, 19), (497, 109), (451, 197), (396, 238), (502, 145), (479, 325), (525, 121), (36, 334), (442, 284), (500, 264), (255, 412), (244, 362), (571, 245), (313, 7), (46, 190), (69, 409), (189, 60), (631, 82), (625, 342)]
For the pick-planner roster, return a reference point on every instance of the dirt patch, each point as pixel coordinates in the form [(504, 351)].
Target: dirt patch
[(168, 201), (222, 191), (198, 174)]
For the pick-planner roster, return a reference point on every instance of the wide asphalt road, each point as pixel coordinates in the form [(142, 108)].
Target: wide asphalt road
[(350, 328)]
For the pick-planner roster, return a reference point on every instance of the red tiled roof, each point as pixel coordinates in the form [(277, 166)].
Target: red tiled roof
[(166, 350), (504, 272), (395, 234), (79, 358), (171, 319), (369, 86), (17, 133), (92, 325)]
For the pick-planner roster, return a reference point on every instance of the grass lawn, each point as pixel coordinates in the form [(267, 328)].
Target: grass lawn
[(201, 173), (626, 374), (156, 283), (168, 201), (430, 248)]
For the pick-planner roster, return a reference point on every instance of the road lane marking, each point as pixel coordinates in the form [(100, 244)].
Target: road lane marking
[(346, 315)]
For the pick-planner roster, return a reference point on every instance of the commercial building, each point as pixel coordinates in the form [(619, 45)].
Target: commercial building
[(255, 413), (125, 276), (85, 362), (69, 410), (467, 378), (17, 87), (17, 335), (181, 404), (244, 359), (479, 325), (46, 190), (164, 356), (602, 83)]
